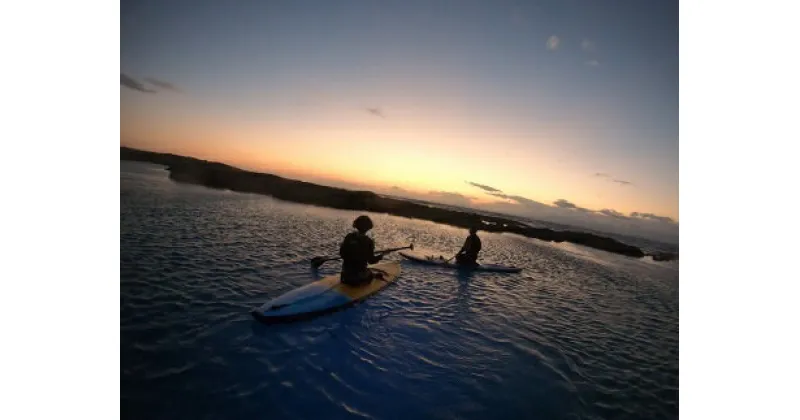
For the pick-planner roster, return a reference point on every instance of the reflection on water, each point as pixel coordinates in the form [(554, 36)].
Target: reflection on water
[(577, 334)]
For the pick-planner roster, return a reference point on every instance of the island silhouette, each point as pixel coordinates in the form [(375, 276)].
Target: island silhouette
[(217, 175)]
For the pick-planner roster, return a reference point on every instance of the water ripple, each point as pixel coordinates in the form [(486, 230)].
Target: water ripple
[(579, 334)]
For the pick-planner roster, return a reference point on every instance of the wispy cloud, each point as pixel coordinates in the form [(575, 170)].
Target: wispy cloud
[(561, 210), (651, 216), (376, 112), (564, 204), (587, 45), (553, 42), (450, 198), (483, 187), (613, 213), (162, 84), (519, 199), (611, 178), (592, 63), (447, 194), (131, 83)]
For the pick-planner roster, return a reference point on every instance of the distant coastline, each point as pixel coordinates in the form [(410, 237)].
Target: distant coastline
[(220, 176)]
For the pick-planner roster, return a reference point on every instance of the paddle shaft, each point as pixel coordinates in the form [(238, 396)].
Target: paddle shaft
[(385, 251)]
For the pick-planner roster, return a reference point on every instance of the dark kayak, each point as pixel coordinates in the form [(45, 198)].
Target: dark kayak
[(441, 262)]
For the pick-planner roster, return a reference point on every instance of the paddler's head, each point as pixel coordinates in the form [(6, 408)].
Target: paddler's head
[(362, 223), (473, 230)]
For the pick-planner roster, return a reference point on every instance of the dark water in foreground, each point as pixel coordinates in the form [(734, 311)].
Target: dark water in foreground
[(579, 334)]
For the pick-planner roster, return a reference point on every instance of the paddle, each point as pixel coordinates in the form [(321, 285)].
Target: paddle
[(316, 262), (448, 260)]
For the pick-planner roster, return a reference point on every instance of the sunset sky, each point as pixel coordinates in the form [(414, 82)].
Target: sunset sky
[(565, 110)]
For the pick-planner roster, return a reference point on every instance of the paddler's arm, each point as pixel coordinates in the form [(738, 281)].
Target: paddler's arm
[(375, 258), (465, 247)]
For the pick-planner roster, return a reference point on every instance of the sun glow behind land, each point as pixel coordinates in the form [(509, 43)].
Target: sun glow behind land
[(419, 101), (419, 156)]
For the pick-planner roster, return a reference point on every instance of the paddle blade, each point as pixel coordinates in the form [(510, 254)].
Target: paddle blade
[(318, 261), (411, 247)]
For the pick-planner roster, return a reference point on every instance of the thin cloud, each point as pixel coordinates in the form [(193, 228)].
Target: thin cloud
[(553, 42), (131, 83), (450, 198), (563, 211), (447, 194), (651, 216), (162, 84), (376, 112), (564, 204), (588, 47), (611, 178), (518, 199), (613, 213), (484, 187)]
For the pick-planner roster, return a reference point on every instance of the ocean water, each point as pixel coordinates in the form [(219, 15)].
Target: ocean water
[(579, 334)]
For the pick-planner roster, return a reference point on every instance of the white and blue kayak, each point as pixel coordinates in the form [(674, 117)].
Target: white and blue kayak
[(440, 261), (325, 295)]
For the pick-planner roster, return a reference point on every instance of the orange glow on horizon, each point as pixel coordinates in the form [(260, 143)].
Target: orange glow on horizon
[(418, 157)]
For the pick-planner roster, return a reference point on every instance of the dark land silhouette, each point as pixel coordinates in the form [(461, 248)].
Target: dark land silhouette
[(220, 176)]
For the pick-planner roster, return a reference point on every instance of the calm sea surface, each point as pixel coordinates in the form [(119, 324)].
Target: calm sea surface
[(579, 334)]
